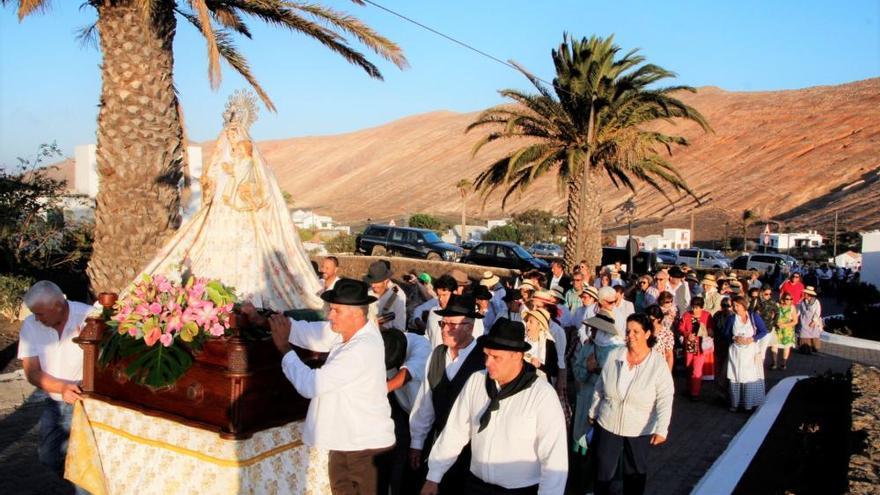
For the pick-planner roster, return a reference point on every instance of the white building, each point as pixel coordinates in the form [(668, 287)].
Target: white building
[(848, 259), (795, 240), (497, 223), (304, 219), (870, 271), (474, 233), (671, 239)]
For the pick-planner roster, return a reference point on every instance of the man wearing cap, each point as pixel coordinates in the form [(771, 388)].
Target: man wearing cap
[(693, 284), (349, 414), (448, 369), (462, 279), (513, 422), (681, 293), (389, 298), (513, 306)]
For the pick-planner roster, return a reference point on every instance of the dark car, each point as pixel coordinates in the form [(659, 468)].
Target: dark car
[(379, 240), (503, 254), (643, 261)]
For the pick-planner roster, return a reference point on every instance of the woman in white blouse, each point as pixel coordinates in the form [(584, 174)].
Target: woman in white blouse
[(631, 408)]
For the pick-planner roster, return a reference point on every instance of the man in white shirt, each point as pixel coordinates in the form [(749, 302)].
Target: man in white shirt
[(493, 283), (513, 421), (621, 311), (423, 317), (390, 300), (329, 269), (349, 414), (53, 362), (450, 365)]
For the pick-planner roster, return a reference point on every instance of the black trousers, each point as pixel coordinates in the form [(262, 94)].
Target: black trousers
[(476, 486), (608, 448)]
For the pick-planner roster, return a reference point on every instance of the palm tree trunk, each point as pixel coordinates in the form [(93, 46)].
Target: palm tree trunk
[(464, 217), (140, 143), (571, 256), (591, 220)]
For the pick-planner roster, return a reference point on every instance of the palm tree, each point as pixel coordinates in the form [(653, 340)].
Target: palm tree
[(595, 119), (140, 134), (464, 188)]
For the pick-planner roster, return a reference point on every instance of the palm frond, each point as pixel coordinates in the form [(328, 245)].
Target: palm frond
[(381, 45), (228, 17), (27, 7), (204, 15), (88, 35)]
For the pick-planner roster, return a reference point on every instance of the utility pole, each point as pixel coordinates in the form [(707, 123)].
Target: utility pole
[(835, 234)]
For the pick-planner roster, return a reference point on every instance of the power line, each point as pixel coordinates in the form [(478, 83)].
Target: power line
[(458, 42)]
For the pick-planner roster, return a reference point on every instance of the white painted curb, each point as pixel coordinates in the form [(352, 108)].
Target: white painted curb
[(847, 341), (730, 466)]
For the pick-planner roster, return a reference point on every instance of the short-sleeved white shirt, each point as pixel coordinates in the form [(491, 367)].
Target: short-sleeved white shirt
[(61, 358)]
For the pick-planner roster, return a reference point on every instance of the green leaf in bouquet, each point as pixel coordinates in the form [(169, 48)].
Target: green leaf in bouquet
[(159, 366)]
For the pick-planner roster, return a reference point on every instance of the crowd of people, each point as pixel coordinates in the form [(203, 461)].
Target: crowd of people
[(454, 384)]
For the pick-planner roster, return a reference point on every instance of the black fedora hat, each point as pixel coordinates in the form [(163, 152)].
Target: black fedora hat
[(460, 305), (378, 272), (511, 295), (349, 292), (482, 292), (676, 272), (506, 335)]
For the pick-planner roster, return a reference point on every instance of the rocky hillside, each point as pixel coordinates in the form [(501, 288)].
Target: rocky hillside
[(794, 156)]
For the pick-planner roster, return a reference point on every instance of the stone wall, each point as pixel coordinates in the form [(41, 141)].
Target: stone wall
[(864, 467), (356, 266)]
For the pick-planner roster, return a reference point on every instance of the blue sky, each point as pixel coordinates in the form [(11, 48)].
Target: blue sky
[(49, 83)]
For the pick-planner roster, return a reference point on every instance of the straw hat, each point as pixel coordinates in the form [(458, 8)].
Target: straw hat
[(709, 280), (489, 279), (542, 316), (545, 296), (592, 292), (557, 292), (528, 285), (810, 291)]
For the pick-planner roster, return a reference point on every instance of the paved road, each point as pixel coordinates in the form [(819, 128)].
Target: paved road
[(699, 433)]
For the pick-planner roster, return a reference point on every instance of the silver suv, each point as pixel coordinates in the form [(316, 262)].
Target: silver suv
[(702, 258)]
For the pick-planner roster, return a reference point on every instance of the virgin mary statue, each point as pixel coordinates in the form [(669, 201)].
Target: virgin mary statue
[(242, 234)]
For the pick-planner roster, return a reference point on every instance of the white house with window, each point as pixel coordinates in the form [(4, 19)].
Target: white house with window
[(796, 240), (671, 239)]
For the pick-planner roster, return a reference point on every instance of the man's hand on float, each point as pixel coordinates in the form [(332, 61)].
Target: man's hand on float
[(280, 327), (415, 458), (70, 392), (430, 488), (255, 318)]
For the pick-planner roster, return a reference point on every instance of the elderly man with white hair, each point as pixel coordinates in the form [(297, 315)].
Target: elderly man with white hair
[(53, 363)]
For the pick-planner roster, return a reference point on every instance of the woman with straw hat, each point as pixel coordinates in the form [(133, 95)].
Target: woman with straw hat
[(811, 325), (543, 354)]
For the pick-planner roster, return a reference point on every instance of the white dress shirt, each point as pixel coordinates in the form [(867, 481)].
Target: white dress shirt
[(398, 307), (349, 409), (421, 419), (418, 350), (60, 358), (525, 443)]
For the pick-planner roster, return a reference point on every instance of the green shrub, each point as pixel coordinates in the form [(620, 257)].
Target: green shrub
[(342, 243), (12, 290), (502, 233), (425, 221)]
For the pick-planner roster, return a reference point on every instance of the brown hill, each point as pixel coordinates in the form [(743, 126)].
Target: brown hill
[(796, 156)]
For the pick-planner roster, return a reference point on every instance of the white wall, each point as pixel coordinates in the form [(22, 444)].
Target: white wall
[(86, 170), (870, 272)]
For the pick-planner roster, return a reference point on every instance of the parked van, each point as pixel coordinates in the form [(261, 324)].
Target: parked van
[(702, 258), (764, 262)]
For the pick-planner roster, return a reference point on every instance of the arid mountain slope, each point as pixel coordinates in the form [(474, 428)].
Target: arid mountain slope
[(796, 156)]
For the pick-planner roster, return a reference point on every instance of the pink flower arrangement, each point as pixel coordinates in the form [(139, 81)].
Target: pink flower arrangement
[(158, 310)]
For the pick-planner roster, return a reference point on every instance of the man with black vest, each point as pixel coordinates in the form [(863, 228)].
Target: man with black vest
[(512, 421), (450, 365)]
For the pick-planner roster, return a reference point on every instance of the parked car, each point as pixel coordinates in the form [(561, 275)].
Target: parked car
[(379, 240), (643, 261), (667, 256), (504, 254), (546, 249), (702, 258), (764, 262)]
